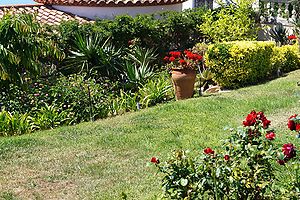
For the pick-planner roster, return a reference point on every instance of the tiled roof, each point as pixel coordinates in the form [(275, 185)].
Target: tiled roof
[(44, 14), (104, 3)]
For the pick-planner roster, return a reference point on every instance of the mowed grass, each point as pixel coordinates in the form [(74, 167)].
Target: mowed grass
[(109, 158)]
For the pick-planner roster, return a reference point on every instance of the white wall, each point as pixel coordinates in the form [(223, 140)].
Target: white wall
[(110, 12), (188, 4)]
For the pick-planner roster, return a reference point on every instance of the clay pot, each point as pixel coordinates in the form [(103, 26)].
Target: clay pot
[(183, 82)]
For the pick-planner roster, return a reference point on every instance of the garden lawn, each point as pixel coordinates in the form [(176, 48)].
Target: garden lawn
[(109, 159)]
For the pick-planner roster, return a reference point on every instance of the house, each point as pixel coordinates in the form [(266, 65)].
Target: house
[(55, 11)]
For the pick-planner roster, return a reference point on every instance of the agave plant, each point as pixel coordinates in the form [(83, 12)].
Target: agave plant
[(138, 66), (279, 34)]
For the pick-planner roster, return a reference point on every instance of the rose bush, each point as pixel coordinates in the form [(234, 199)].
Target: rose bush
[(245, 169)]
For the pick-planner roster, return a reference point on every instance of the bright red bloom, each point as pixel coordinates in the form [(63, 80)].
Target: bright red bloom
[(175, 54), (250, 119), (171, 59), (155, 160), (182, 62), (209, 151), (289, 150), (270, 136), (281, 162), (292, 37), (226, 157)]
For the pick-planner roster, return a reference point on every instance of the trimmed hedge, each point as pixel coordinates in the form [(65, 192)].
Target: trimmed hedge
[(241, 63)]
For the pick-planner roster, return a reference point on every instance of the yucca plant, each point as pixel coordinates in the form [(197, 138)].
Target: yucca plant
[(94, 54)]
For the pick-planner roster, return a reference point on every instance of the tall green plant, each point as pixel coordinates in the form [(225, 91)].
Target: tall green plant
[(22, 45), (94, 54), (229, 23)]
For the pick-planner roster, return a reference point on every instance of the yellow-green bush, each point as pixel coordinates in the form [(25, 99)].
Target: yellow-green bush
[(286, 58), (240, 63)]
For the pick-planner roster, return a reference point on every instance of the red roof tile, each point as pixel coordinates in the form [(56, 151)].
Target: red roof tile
[(104, 3), (44, 14)]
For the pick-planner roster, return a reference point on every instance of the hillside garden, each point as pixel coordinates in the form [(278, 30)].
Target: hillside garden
[(72, 73)]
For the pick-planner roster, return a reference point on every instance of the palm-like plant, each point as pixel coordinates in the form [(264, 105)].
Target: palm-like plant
[(279, 34), (22, 44), (94, 54), (138, 65)]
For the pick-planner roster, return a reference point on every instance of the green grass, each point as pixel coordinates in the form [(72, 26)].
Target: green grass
[(103, 159)]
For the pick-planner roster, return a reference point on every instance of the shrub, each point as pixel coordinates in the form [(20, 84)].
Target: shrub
[(229, 23), (82, 98), (244, 170), (23, 45), (286, 58), (236, 64)]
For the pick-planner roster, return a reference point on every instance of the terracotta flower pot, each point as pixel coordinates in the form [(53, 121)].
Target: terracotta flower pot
[(183, 82)]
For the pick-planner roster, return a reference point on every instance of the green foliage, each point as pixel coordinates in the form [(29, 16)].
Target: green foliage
[(279, 34), (94, 54), (139, 65), (82, 99), (244, 170), (50, 117), (229, 23), (286, 58), (237, 64), (156, 90), (160, 31), (15, 124), (22, 46)]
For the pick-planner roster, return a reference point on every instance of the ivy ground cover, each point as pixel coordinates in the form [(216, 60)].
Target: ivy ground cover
[(109, 159)]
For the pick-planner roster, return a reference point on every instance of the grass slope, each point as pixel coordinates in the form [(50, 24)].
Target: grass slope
[(104, 159)]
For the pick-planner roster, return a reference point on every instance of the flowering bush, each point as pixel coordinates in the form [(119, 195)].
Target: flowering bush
[(183, 60), (245, 169)]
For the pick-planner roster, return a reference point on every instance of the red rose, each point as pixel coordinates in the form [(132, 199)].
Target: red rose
[(250, 119), (155, 160), (289, 150), (266, 123), (208, 151), (281, 162), (182, 62), (297, 127), (171, 59), (226, 157), (270, 136), (291, 125)]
